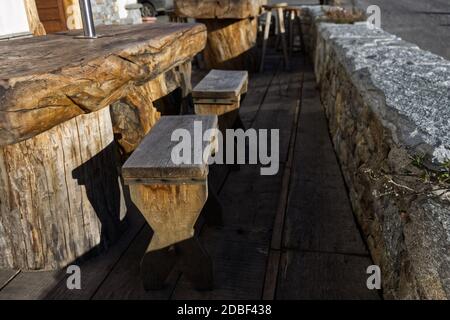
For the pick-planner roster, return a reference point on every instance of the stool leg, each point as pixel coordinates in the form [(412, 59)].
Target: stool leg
[(196, 263), (291, 31), (265, 39), (282, 30)]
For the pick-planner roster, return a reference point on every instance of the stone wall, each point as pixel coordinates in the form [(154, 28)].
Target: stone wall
[(105, 11), (388, 107)]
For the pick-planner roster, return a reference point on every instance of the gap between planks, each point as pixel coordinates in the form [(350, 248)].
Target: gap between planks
[(274, 259), (8, 278)]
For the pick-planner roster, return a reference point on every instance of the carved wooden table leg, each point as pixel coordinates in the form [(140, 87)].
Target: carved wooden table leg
[(135, 114)]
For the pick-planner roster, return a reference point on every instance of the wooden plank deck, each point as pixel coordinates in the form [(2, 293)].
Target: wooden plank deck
[(287, 236)]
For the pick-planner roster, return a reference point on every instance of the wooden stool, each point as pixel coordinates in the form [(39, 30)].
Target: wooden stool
[(219, 93), (279, 9), (293, 14), (171, 197)]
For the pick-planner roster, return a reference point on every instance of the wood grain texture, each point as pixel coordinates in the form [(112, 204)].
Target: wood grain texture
[(216, 109), (6, 275), (321, 206), (49, 80), (96, 270), (134, 115), (320, 276), (152, 160), (36, 26), (221, 84), (170, 210), (231, 44), (61, 194), (124, 280), (218, 9)]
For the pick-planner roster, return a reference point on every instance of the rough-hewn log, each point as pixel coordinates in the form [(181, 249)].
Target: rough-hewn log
[(134, 115), (218, 9), (61, 196), (51, 79), (231, 44)]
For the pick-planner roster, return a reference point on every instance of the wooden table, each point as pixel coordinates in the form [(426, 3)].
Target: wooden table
[(61, 196), (232, 30)]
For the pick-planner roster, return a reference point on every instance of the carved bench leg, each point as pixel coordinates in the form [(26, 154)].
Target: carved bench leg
[(171, 211), (196, 264), (213, 210)]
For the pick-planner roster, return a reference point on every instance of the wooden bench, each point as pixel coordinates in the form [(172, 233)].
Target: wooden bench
[(219, 93), (171, 197)]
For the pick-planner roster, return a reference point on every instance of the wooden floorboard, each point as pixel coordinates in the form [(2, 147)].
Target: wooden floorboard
[(323, 276), (6, 275), (95, 270), (52, 284), (31, 285), (239, 258), (319, 215), (323, 254), (124, 281), (258, 87)]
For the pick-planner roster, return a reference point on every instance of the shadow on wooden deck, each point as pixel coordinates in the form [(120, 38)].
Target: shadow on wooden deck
[(287, 236)]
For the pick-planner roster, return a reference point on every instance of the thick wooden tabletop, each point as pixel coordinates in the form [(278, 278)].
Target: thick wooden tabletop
[(50, 79), (219, 9), (152, 161)]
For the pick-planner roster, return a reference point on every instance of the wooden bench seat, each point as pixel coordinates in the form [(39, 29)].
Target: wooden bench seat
[(151, 161), (171, 197), (219, 93)]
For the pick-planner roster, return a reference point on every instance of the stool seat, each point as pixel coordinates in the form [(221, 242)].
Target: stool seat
[(291, 8), (151, 161), (275, 5), (221, 84)]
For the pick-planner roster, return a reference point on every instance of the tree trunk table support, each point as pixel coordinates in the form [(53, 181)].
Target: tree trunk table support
[(232, 31), (61, 195), (171, 196)]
